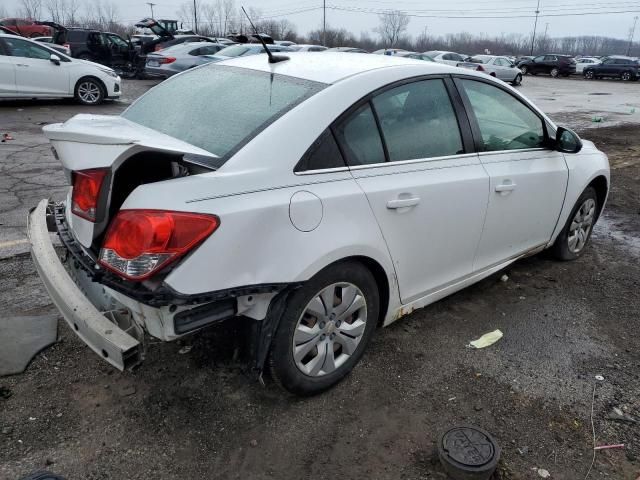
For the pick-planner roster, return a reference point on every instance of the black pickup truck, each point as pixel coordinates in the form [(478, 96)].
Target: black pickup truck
[(625, 68)]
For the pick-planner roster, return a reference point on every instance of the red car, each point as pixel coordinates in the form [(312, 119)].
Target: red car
[(25, 27)]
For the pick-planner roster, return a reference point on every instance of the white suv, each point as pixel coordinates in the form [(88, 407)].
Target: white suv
[(321, 197), (30, 69)]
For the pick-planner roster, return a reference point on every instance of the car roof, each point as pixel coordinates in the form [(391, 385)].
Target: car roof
[(331, 67)]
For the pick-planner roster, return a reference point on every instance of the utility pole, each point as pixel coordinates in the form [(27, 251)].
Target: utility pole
[(324, 23), (151, 4), (535, 25), (633, 31), (195, 17), (544, 39)]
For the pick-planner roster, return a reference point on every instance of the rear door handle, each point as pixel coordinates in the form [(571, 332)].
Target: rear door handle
[(505, 187), (403, 202)]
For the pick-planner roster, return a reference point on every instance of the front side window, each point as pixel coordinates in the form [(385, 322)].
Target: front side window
[(418, 121), (25, 49), (358, 135), (539, 59), (505, 122), (219, 108)]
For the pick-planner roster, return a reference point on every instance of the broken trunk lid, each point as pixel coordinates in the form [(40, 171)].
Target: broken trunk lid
[(117, 134)]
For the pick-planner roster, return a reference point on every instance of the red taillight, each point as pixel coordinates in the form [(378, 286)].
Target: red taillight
[(139, 243), (66, 45), (167, 59), (86, 190)]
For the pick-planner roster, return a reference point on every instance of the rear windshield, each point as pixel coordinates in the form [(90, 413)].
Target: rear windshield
[(76, 35), (234, 51), (219, 108)]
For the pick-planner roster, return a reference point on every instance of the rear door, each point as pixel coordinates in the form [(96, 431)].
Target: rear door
[(7, 73), (527, 180), (35, 74), (503, 69), (427, 189)]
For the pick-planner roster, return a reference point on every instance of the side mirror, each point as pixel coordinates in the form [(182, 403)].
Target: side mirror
[(567, 141), (54, 59)]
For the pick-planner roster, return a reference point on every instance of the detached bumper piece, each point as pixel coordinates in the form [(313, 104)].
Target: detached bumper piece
[(102, 335)]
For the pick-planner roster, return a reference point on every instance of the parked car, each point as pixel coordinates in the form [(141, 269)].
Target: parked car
[(346, 50), (25, 27), (307, 48), (179, 58), (29, 69), (553, 64), (499, 67), (449, 58), (55, 46), (583, 62), (625, 68), (245, 49), (306, 213), (178, 39), (416, 56), (389, 51)]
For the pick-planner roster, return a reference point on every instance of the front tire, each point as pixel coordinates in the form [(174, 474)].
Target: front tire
[(626, 76), (589, 75), (555, 72), (576, 234), (89, 91), (517, 81), (525, 70), (325, 329)]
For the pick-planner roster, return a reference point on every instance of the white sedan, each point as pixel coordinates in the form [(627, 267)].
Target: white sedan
[(30, 69), (321, 196), (499, 67), (448, 58)]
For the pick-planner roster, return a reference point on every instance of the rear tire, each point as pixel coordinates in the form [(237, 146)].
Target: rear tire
[(589, 75), (325, 329), (555, 72), (575, 236), (525, 70)]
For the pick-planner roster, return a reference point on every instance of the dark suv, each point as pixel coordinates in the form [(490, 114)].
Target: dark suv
[(93, 45), (552, 63), (618, 67)]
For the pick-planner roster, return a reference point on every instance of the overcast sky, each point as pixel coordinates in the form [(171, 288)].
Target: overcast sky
[(307, 14)]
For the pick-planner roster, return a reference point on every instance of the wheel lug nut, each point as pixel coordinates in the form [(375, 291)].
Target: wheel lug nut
[(337, 323), (322, 324), (333, 335)]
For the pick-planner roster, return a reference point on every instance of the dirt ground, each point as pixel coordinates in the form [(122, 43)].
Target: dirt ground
[(202, 415)]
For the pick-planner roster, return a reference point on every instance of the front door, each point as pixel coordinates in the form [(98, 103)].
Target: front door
[(7, 73), (528, 181), (406, 151), (35, 73)]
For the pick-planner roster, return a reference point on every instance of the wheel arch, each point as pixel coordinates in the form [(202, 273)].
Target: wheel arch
[(601, 186), (91, 77)]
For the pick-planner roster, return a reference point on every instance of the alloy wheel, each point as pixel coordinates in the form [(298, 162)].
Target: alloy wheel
[(554, 72), (524, 69), (581, 226), (330, 329), (626, 76), (589, 75), (89, 92)]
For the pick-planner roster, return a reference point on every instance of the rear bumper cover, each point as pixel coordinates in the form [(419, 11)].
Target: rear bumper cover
[(102, 335)]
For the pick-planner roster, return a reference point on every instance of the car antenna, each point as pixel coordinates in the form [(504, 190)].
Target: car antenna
[(272, 58)]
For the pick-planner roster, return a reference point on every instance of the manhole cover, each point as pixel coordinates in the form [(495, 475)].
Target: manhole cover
[(468, 450), (599, 93)]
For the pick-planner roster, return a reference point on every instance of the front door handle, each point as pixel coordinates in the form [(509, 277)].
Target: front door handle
[(403, 202), (505, 187)]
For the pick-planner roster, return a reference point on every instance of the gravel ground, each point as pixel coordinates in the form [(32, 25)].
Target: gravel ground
[(202, 415)]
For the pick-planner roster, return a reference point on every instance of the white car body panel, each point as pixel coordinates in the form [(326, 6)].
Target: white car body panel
[(282, 227), (586, 62)]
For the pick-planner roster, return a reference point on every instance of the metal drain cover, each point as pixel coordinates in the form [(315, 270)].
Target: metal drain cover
[(468, 452)]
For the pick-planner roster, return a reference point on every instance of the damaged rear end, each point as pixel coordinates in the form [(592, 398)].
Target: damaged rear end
[(109, 285)]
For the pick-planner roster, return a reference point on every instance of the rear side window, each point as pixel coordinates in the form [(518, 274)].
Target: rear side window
[(219, 108), (76, 36), (359, 138), (322, 154), (505, 122), (418, 121)]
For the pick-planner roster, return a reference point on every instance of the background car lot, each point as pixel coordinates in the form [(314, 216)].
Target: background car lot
[(198, 414)]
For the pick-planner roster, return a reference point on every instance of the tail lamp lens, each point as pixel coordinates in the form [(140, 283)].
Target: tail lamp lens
[(139, 243), (167, 60), (86, 191)]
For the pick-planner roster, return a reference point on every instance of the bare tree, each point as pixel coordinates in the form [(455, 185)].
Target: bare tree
[(392, 26), (31, 8)]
